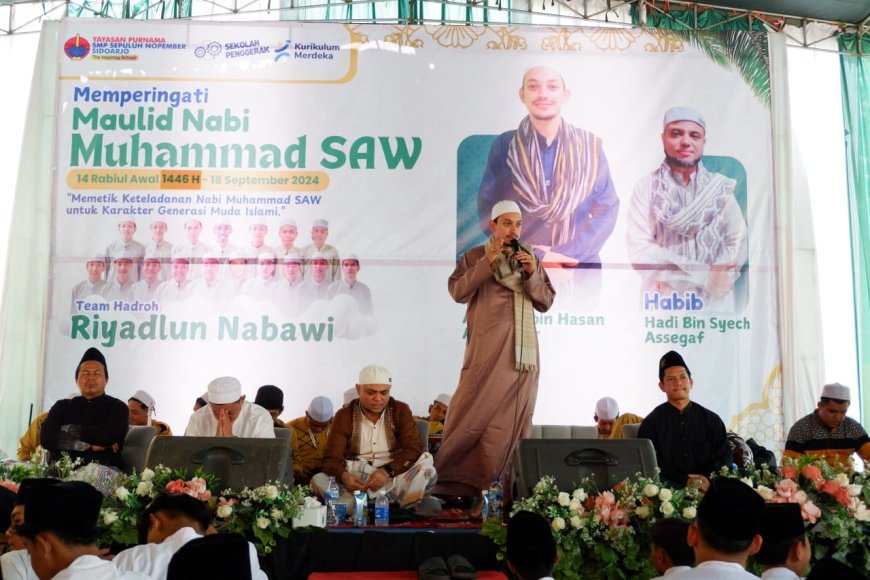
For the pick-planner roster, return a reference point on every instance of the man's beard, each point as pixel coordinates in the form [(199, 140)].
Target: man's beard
[(686, 163)]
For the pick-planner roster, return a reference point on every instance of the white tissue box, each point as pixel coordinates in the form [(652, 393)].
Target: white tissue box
[(312, 516)]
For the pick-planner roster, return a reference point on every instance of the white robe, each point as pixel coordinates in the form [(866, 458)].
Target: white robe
[(253, 421)]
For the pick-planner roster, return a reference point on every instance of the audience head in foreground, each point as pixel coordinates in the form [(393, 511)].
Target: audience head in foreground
[(531, 549)]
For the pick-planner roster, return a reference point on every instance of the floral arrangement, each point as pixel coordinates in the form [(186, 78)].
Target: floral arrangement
[(602, 534), (261, 514), (834, 503)]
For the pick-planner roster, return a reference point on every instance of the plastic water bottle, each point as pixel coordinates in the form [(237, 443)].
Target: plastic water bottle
[(484, 510), (361, 511), (382, 510), (331, 496), (496, 495)]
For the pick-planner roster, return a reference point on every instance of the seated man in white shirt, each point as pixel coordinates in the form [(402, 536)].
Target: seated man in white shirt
[(229, 415), (171, 521), (726, 531), (60, 533)]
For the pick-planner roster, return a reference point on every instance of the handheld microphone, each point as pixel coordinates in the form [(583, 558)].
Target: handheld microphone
[(515, 245)]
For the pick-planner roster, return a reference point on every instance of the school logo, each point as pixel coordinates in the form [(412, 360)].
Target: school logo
[(77, 48)]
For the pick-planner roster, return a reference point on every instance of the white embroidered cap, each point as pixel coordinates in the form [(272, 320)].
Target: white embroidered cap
[(836, 391), (223, 390), (320, 409), (444, 399), (320, 223), (675, 114), (374, 375), (144, 398), (505, 206), (607, 409)]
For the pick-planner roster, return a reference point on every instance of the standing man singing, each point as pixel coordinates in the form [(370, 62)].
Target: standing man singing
[(493, 405)]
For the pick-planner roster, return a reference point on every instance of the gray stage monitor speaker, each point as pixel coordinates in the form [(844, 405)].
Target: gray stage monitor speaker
[(238, 462), (569, 461)]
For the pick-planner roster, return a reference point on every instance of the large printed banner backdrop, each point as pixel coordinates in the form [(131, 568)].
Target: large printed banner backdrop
[(187, 151)]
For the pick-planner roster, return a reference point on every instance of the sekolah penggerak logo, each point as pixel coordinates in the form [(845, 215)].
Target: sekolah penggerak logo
[(77, 48)]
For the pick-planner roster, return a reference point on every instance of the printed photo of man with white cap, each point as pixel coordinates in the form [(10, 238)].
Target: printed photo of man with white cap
[(228, 414), (318, 245), (686, 231)]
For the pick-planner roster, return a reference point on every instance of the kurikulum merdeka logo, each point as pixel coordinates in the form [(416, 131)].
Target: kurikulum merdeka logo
[(77, 48), (283, 50)]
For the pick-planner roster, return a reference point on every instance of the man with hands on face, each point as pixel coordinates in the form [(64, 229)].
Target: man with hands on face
[(229, 415), (374, 444)]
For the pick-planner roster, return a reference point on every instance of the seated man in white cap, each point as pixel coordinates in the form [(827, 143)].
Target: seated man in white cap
[(142, 406), (608, 420), (310, 433), (827, 432), (437, 414), (228, 414), (686, 231), (374, 444)]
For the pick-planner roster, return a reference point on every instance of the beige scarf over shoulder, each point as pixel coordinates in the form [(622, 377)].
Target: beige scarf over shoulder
[(509, 273)]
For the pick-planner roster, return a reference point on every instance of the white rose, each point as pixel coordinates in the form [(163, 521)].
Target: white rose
[(147, 475), (642, 511), (650, 490), (665, 494), (748, 481), (270, 491), (765, 492), (263, 522), (667, 508), (576, 522), (843, 479), (690, 513), (144, 488), (110, 518), (224, 511), (277, 514), (580, 495), (862, 514), (575, 505), (558, 524), (855, 490), (121, 493), (564, 498)]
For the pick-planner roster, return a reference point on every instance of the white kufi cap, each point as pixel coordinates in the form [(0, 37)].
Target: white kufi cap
[(675, 114), (505, 206), (836, 391), (607, 409), (375, 375), (320, 409), (223, 390)]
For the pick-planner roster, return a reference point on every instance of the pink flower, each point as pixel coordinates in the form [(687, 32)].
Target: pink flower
[(800, 497), (786, 488), (790, 472), (810, 511), (176, 486), (812, 473)]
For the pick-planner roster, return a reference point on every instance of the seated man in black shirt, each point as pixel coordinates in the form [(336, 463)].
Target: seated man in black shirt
[(689, 440), (91, 426)]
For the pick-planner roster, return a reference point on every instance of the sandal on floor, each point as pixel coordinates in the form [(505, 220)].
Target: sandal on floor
[(460, 568), (433, 568)]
